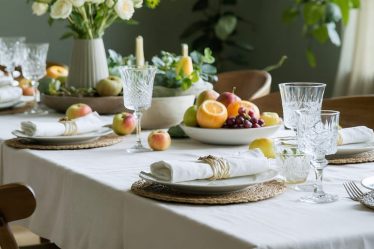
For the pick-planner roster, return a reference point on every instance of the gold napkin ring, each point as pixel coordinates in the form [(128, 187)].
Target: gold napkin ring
[(70, 128), (220, 167)]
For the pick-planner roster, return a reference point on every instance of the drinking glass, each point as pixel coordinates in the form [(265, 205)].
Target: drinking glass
[(34, 68), (297, 96), (11, 53), (137, 95), (317, 135)]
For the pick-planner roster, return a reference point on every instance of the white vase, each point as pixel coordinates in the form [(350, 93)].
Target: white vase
[(88, 63)]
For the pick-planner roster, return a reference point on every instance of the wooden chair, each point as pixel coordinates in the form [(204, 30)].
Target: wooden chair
[(250, 84), (354, 110), (17, 202)]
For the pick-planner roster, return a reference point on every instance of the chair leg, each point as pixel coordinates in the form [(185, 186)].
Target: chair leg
[(7, 239)]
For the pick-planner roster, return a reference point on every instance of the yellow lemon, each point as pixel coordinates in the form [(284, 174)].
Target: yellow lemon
[(270, 118), (265, 145), (211, 114)]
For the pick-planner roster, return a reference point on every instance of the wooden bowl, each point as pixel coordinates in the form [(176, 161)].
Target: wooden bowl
[(102, 105)]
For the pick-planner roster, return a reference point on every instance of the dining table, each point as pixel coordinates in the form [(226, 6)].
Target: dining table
[(84, 201)]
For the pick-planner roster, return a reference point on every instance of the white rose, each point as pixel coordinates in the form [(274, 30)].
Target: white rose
[(125, 9), (110, 3), (138, 3), (39, 9), (77, 3), (61, 9)]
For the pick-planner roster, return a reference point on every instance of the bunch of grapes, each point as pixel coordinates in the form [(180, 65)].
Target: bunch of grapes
[(243, 120)]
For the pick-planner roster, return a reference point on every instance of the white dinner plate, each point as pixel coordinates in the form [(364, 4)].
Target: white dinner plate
[(368, 182), (355, 148), (229, 136), (214, 187), (85, 137), (10, 104)]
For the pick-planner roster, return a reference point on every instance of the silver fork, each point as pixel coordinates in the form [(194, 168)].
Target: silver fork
[(353, 191)]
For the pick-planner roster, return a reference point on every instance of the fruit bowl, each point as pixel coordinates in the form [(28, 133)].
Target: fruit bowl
[(229, 136), (166, 111), (103, 105)]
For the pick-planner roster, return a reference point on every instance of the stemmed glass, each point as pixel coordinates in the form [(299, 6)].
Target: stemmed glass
[(296, 96), (317, 135), (34, 68), (137, 95), (11, 53)]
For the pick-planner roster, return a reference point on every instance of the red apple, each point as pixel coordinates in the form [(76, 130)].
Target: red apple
[(159, 140), (227, 98), (77, 110), (205, 95), (124, 123)]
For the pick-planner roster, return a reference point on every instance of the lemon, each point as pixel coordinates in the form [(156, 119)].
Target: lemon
[(211, 114), (265, 145), (270, 118)]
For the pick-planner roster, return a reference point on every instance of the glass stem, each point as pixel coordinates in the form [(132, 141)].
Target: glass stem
[(34, 85), (319, 164), (138, 115)]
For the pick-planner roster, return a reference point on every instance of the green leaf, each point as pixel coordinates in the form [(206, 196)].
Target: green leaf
[(333, 13), (333, 34), (313, 12), (225, 26), (196, 57), (208, 57), (320, 33), (208, 69), (289, 15), (355, 4), (240, 44), (50, 21), (200, 5), (344, 9), (67, 35), (276, 66), (311, 58), (186, 83)]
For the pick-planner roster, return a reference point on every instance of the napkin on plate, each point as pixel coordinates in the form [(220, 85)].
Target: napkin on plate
[(7, 81), (249, 163), (353, 135), (88, 123), (10, 93)]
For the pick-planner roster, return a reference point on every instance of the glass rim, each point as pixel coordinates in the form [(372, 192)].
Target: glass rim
[(302, 84), (36, 44), (135, 67), (322, 112)]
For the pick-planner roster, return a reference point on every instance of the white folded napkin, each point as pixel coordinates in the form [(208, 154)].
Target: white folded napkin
[(7, 81), (88, 123), (249, 163), (353, 135), (10, 93)]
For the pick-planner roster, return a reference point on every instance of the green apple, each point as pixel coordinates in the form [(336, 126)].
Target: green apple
[(189, 117), (123, 123), (110, 86), (77, 110)]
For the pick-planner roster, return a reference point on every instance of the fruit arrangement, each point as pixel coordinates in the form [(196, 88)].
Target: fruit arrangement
[(226, 110)]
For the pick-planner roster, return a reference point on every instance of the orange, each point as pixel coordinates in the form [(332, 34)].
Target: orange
[(55, 72), (233, 108), (211, 114)]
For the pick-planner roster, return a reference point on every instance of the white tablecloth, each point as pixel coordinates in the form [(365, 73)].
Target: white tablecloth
[(84, 202)]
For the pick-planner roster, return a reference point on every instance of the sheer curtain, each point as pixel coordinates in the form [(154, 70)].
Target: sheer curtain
[(356, 66)]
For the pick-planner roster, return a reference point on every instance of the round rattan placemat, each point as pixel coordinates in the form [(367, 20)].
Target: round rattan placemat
[(15, 110), (28, 144), (254, 193), (349, 159)]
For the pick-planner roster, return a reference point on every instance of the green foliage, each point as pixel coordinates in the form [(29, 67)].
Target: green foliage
[(177, 132), (166, 63), (321, 19), (218, 29)]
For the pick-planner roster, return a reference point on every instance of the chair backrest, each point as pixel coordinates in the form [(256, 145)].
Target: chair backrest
[(17, 202), (250, 84), (354, 110)]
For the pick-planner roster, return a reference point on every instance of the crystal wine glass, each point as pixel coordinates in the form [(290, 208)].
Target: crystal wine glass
[(137, 95), (11, 53), (296, 96), (317, 135), (34, 68)]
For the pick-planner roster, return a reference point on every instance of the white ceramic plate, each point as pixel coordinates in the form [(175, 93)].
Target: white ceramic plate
[(214, 187), (85, 137), (229, 136), (9, 104), (349, 149), (368, 182)]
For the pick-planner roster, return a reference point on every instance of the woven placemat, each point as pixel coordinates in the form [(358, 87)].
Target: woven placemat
[(349, 159), (15, 110), (28, 144), (254, 193)]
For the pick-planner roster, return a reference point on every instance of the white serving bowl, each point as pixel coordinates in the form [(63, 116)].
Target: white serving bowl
[(166, 112), (229, 136)]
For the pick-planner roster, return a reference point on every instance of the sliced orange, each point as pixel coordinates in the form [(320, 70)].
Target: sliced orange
[(233, 108), (55, 72), (211, 114)]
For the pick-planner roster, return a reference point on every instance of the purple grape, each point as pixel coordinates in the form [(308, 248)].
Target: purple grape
[(230, 121), (247, 124), (261, 122), (256, 126), (235, 126), (241, 110), (251, 113), (239, 120), (254, 120)]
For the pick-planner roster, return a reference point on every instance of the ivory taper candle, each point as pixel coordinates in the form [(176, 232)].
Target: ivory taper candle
[(139, 51), (184, 50)]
